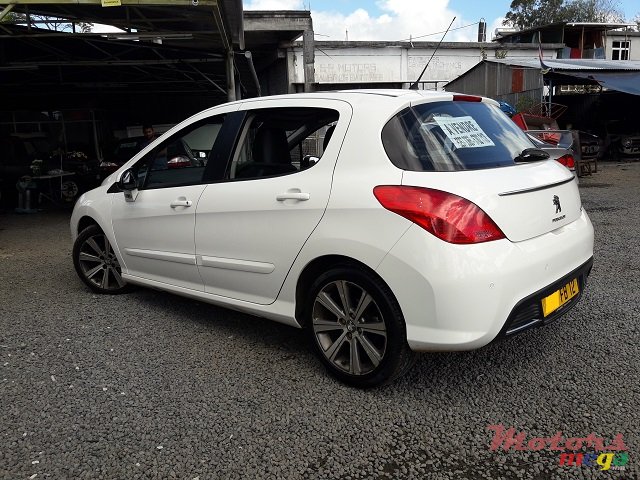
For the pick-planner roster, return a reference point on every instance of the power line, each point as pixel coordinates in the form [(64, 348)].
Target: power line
[(436, 33), (414, 86)]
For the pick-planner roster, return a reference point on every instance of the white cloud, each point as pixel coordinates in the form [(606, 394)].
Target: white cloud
[(491, 27), (398, 20)]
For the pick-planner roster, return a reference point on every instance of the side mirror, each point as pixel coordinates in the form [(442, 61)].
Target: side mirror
[(128, 183)]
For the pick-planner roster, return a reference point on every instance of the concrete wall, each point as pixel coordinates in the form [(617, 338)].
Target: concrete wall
[(371, 62)]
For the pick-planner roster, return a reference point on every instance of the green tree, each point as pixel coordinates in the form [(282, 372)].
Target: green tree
[(594, 11), (533, 13)]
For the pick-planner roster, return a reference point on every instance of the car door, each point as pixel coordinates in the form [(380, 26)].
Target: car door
[(155, 228), (250, 228)]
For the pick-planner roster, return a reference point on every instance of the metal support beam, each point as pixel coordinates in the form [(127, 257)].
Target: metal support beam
[(108, 63), (207, 78), (252, 69), (6, 11), (227, 43), (231, 80)]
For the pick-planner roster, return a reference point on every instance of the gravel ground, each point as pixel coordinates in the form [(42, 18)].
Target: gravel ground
[(150, 385)]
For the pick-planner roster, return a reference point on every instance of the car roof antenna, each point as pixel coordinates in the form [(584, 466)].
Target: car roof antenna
[(414, 86)]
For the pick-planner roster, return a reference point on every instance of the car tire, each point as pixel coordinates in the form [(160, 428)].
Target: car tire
[(356, 328), (96, 262)]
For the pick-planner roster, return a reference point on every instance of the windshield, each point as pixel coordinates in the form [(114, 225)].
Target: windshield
[(449, 136)]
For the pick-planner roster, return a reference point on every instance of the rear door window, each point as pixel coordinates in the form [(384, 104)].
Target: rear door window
[(449, 136), (282, 141)]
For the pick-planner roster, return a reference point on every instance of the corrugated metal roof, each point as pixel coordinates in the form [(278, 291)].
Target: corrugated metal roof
[(573, 64)]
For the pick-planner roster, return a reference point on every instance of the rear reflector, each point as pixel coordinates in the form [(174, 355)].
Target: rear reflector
[(447, 216), (466, 98), (567, 160)]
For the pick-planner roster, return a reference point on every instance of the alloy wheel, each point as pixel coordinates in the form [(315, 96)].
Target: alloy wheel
[(349, 327), (99, 264)]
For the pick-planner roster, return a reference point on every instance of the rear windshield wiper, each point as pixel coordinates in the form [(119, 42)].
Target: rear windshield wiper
[(531, 155)]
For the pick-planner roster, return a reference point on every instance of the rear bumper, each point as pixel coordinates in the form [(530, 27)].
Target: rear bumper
[(528, 311), (461, 297)]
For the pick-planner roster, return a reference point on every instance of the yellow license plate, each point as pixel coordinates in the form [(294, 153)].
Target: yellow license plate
[(559, 297)]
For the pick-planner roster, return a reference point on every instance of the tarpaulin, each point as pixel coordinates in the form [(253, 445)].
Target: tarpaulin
[(627, 82)]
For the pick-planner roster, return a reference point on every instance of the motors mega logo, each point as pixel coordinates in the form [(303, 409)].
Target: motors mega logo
[(610, 456)]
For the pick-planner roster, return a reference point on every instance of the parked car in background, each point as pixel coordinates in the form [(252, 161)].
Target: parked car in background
[(426, 222), (629, 146), (562, 151), (622, 140), (586, 146)]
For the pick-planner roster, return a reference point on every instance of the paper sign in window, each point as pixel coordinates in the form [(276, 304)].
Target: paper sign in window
[(464, 132)]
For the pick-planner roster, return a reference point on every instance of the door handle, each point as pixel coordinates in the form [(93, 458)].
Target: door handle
[(181, 202), (300, 196)]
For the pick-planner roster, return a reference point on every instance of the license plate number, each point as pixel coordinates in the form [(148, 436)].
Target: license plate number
[(558, 298)]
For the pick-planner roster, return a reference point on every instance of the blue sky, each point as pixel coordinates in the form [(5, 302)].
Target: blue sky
[(469, 8), (400, 19)]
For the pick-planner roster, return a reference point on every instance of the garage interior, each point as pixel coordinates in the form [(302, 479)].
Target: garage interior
[(169, 60)]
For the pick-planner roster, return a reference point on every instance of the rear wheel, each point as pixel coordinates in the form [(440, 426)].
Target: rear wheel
[(96, 262), (357, 328)]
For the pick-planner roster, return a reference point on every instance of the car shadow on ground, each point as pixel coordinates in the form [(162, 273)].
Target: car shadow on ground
[(454, 371)]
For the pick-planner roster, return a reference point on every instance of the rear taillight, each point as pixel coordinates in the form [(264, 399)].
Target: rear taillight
[(447, 216), (567, 160)]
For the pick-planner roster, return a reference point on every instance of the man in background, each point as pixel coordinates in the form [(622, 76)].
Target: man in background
[(149, 136)]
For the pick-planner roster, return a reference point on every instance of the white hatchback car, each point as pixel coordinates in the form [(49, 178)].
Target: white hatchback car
[(385, 222)]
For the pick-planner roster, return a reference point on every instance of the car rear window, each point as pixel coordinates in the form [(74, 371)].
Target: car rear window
[(449, 136)]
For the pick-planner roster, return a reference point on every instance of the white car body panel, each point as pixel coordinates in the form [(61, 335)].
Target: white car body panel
[(249, 258), (239, 247), (151, 250)]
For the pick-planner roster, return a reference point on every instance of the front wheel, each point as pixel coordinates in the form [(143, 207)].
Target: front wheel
[(96, 262), (357, 328)]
